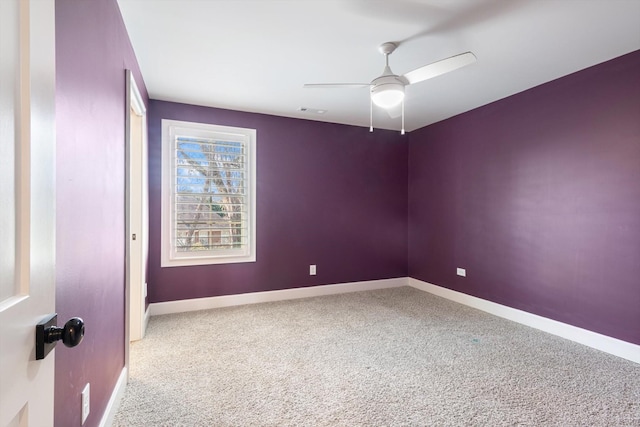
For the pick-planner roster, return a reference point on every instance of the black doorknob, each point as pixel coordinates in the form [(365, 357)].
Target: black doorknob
[(47, 334), (71, 334)]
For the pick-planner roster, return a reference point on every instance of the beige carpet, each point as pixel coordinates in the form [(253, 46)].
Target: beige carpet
[(393, 357)]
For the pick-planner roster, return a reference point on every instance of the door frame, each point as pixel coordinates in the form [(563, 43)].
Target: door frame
[(137, 222)]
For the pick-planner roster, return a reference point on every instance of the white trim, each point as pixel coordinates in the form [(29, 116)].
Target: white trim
[(170, 130), (136, 99), (591, 339), (136, 207), (114, 402), (270, 296)]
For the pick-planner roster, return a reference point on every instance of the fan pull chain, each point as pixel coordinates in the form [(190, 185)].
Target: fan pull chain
[(402, 131), (370, 114)]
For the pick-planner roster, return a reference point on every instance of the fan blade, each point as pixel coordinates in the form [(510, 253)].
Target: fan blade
[(335, 85), (439, 67)]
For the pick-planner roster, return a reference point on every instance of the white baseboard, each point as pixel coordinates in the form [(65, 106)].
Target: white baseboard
[(600, 342), (180, 306), (114, 401)]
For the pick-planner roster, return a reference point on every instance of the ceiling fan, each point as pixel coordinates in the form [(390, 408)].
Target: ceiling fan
[(387, 90)]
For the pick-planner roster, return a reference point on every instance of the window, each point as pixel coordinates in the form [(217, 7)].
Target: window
[(208, 194)]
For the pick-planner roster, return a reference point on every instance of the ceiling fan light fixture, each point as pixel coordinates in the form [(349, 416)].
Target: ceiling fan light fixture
[(387, 95), (387, 90)]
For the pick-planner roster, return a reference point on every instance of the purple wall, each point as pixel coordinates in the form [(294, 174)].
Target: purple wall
[(328, 194), (93, 51), (538, 197)]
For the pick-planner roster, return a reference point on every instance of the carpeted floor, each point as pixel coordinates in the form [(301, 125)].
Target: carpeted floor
[(393, 357)]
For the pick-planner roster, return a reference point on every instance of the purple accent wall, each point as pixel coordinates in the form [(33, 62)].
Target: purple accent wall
[(92, 52), (538, 197), (328, 194)]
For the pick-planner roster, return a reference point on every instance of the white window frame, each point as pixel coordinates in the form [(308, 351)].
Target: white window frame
[(172, 258)]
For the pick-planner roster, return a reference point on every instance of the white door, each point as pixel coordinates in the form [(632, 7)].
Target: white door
[(137, 212), (27, 202)]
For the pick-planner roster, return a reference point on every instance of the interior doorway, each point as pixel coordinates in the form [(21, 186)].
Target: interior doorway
[(137, 215)]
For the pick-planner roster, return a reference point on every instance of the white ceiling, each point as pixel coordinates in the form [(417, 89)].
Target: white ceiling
[(256, 55)]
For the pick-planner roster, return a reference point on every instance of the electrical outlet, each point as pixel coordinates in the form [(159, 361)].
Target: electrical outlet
[(461, 272), (86, 402), (312, 270)]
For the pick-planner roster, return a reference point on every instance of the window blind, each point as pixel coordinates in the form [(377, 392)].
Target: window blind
[(210, 197)]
